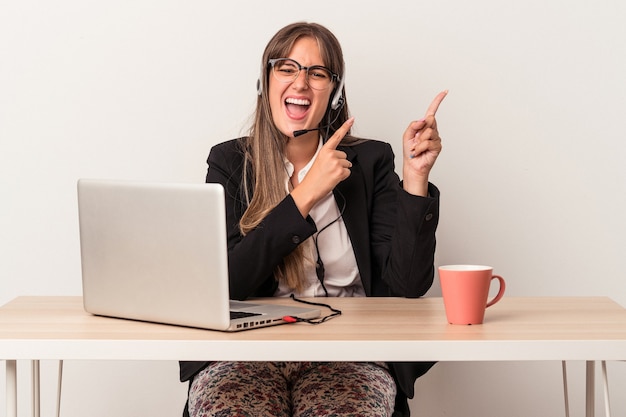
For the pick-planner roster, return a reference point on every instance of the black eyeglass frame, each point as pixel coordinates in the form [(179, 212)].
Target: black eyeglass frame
[(335, 78)]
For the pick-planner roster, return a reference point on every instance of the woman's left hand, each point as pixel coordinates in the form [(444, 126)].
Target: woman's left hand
[(421, 145)]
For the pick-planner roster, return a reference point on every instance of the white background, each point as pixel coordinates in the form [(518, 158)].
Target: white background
[(532, 174)]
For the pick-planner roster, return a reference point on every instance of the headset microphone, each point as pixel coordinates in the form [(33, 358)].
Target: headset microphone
[(301, 132), (297, 133)]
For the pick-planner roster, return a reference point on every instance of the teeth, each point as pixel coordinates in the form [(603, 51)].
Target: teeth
[(298, 101)]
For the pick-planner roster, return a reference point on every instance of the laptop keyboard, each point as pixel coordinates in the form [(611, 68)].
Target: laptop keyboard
[(242, 314)]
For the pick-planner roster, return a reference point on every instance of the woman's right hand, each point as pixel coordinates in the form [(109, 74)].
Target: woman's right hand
[(330, 168)]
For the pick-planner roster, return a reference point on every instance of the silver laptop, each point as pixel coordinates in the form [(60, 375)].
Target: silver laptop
[(157, 252)]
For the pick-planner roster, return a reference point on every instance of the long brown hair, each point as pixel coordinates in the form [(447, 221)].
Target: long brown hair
[(264, 168)]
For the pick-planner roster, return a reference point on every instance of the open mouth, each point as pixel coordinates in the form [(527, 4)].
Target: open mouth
[(297, 107)]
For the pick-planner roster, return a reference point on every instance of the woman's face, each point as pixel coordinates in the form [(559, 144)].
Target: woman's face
[(295, 105)]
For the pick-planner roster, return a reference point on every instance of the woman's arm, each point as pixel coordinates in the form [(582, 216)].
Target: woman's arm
[(421, 147), (253, 258), (402, 232)]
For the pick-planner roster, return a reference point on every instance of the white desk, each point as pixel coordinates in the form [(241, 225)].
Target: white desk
[(370, 329)]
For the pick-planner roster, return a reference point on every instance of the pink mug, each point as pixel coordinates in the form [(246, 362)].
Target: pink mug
[(465, 289)]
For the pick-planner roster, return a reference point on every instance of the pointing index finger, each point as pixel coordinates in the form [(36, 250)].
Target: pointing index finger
[(335, 139), (432, 109)]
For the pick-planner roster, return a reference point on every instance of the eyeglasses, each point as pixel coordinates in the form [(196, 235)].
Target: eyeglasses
[(286, 70)]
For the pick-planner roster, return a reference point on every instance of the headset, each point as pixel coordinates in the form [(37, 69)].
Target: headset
[(338, 99), (336, 102)]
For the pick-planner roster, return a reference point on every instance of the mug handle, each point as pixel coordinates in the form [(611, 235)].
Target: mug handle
[(500, 291)]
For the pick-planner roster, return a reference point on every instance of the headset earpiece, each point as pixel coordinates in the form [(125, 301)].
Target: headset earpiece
[(338, 100), (260, 80)]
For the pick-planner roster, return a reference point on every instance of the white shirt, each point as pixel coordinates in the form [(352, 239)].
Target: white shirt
[(341, 276)]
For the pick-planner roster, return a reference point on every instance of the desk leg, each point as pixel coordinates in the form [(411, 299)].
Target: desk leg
[(607, 398), (59, 387), (11, 374), (36, 393), (565, 389), (591, 385)]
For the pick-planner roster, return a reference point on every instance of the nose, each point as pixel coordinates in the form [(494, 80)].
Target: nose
[(301, 83)]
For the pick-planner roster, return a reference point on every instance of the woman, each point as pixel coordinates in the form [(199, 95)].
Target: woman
[(313, 211)]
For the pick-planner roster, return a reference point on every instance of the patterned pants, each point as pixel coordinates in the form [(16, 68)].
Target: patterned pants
[(298, 389)]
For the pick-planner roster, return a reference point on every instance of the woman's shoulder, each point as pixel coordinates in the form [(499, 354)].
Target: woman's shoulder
[(373, 149), (232, 145), (229, 150), (364, 143)]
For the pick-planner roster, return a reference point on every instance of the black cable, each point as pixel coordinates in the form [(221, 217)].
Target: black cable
[(291, 319), (319, 265), (328, 125)]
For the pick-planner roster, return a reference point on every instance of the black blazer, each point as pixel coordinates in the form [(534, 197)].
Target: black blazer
[(392, 234)]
